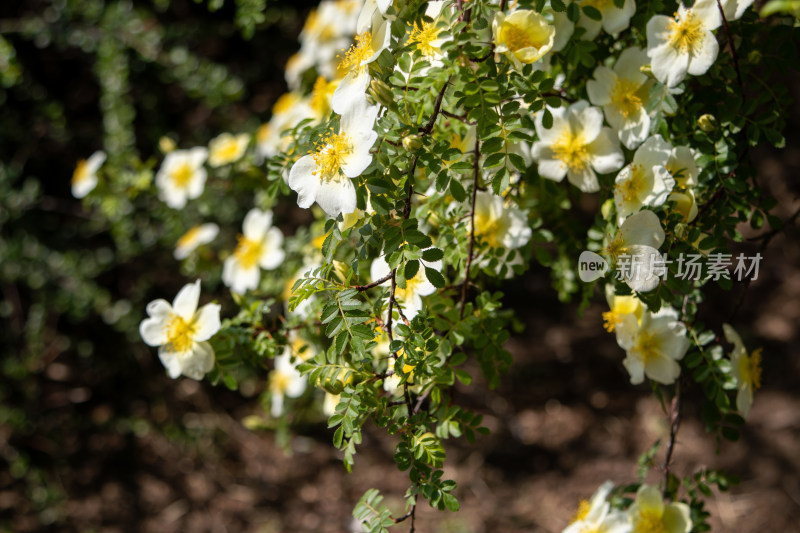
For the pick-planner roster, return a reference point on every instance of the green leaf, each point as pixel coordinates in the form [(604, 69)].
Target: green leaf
[(431, 254), (435, 277), (412, 267), (457, 190), (592, 12)]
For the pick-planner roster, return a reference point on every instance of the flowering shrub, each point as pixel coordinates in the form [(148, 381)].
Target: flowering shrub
[(430, 142)]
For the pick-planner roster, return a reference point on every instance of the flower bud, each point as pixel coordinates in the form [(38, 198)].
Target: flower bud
[(380, 92), (607, 209), (707, 123), (754, 57), (681, 230), (341, 270), (166, 145), (412, 142)]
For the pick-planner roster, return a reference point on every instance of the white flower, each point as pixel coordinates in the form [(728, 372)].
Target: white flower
[(324, 176), (182, 176), (195, 237), (284, 381), (619, 308), (576, 146), (746, 369), (595, 516), (563, 26), (685, 204), (649, 513), (497, 225), (226, 148), (329, 403), (296, 66), (646, 181), (369, 44), (613, 19), (328, 29), (180, 331), (637, 242), (683, 167), (735, 8), (367, 16), (259, 247), (428, 38), (653, 346), (84, 179), (409, 298), (289, 109), (524, 36), (683, 43), (623, 92)]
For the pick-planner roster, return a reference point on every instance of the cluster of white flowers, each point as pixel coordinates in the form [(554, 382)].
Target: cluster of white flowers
[(648, 513), (585, 141)]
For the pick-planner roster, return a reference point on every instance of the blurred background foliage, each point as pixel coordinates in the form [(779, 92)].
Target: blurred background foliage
[(78, 76)]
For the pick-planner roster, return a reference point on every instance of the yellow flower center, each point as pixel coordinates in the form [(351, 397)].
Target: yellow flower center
[(263, 132), (649, 522), (279, 382), (516, 38), (248, 252), (226, 151), (81, 172), (423, 36), (189, 237), (686, 34), (616, 247), (285, 103), (582, 512), (329, 157), (680, 174), (180, 334), (632, 189), (571, 149), (300, 349), (320, 97), (610, 319), (750, 369), (182, 175), (358, 53), (649, 346), (624, 97), (489, 228), (412, 286)]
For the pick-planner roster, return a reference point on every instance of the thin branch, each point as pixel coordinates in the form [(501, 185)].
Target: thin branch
[(675, 421), (375, 283), (402, 315), (391, 302), (437, 107), (732, 46), (462, 118), (475, 174)]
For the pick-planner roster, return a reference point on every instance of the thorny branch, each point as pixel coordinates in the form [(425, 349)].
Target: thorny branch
[(674, 424), (475, 175)]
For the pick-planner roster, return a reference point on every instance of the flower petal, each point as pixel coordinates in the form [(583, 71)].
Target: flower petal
[(206, 322), (185, 303)]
